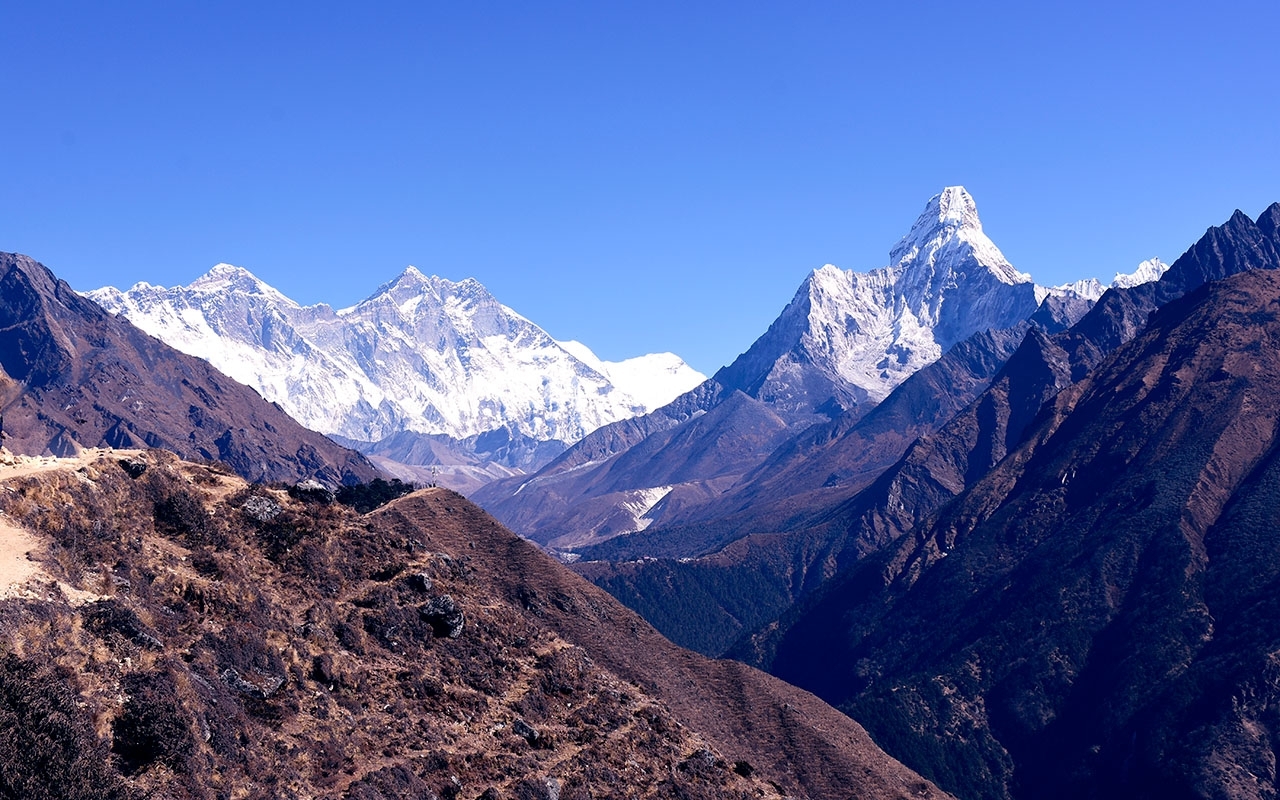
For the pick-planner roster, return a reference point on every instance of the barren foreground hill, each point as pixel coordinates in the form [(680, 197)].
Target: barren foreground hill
[(185, 634)]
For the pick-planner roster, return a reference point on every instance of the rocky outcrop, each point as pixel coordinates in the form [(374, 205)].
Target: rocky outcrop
[(444, 616)]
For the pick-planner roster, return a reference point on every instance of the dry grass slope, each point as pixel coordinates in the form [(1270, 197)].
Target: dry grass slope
[(189, 635)]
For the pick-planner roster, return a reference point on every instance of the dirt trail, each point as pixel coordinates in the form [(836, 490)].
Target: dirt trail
[(17, 569)]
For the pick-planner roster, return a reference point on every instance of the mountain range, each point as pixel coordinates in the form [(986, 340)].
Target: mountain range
[(73, 376), (843, 344), (940, 432), (1093, 615), (421, 355), (438, 381), (1060, 591)]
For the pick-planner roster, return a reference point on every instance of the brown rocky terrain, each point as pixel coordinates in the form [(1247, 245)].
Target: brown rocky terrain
[(1096, 616), (73, 376), (184, 634)]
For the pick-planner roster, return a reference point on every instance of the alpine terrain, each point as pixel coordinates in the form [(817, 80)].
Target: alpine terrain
[(1090, 612), (938, 433), (72, 376), (435, 371), (1027, 536), (843, 344)]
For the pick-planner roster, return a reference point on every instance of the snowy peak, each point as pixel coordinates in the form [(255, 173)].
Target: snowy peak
[(228, 278), (422, 354), (1093, 289), (849, 338), (952, 208), (1148, 271), (409, 283), (410, 280), (947, 234), (652, 379), (1088, 288), (416, 294)]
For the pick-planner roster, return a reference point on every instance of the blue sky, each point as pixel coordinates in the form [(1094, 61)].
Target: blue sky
[(638, 176)]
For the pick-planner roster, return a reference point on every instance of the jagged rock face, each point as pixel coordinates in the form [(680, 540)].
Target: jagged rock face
[(852, 337), (421, 354), (1095, 616), (190, 636), (74, 376), (1055, 353)]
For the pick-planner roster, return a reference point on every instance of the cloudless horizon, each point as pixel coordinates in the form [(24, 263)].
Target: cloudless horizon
[(637, 177)]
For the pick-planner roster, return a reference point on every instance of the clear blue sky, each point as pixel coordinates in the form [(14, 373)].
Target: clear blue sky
[(638, 176)]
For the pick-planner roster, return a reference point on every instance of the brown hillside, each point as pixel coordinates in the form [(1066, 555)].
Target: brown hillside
[(187, 635), (1097, 616)]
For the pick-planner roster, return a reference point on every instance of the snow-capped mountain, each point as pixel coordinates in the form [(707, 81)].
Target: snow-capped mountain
[(863, 333), (421, 354), (1148, 271), (1092, 288), (841, 346), (654, 379)]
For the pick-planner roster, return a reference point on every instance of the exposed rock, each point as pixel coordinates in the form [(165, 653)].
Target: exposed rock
[(444, 616), (133, 466), (311, 490), (266, 687), (420, 581), (261, 508), (524, 730)]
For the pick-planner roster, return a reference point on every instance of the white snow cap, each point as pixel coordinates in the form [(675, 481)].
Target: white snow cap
[(950, 219), (224, 278), (949, 211), (422, 353), (1148, 271), (954, 206)]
